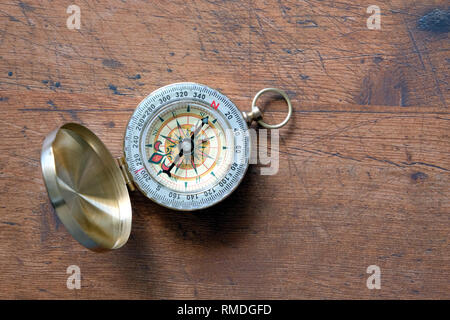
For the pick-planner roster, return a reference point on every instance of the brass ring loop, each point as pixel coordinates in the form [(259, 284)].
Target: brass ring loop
[(286, 98)]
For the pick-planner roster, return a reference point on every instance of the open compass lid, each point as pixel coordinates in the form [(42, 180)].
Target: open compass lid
[(86, 187)]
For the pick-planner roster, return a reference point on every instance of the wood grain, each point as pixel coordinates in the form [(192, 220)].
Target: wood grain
[(364, 163)]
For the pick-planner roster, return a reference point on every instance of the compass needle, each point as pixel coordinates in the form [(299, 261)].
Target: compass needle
[(169, 139)]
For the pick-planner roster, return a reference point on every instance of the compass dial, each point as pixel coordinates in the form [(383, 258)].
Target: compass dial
[(187, 146), (191, 130)]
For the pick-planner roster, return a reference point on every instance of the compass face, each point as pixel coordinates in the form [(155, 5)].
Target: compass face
[(187, 146)]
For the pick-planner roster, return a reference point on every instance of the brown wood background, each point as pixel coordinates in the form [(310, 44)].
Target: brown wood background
[(364, 168)]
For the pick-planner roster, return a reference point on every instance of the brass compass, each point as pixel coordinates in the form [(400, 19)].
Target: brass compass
[(186, 147)]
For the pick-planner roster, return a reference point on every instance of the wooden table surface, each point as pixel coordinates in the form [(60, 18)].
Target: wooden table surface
[(364, 163)]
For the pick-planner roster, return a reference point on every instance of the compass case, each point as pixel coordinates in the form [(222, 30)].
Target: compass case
[(86, 188)]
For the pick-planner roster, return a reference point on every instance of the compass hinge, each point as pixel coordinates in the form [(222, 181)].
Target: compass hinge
[(126, 175)]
